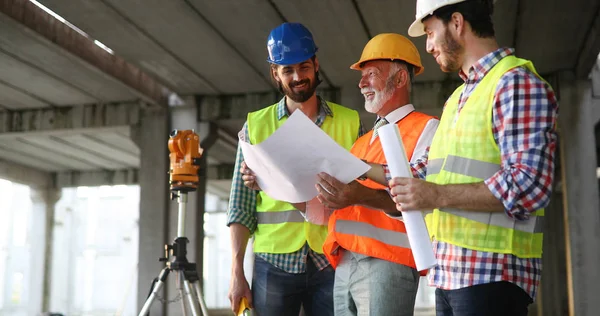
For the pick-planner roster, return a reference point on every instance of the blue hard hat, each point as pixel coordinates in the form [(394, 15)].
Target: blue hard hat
[(290, 43)]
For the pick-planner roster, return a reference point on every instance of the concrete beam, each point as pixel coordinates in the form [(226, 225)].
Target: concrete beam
[(218, 172), (96, 178), (428, 97), (588, 55), (70, 179), (580, 189), (48, 120), (58, 33), (236, 106), (25, 175)]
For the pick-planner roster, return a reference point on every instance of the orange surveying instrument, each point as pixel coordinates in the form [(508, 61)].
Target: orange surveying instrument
[(185, 154)]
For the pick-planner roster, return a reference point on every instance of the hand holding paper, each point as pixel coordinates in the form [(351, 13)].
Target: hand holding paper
[(286, 164), (335, 194), (249, 177), (418, 237)]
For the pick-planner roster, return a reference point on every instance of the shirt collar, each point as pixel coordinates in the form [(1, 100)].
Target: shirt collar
[(396, 115), (485, 63), (324, 109)]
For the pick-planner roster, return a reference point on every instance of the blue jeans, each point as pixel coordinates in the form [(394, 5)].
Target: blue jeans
[(498, 298), (278, 293)]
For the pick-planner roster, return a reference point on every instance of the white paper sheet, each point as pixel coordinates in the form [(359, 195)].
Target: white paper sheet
[(418, 237), (286, 164)]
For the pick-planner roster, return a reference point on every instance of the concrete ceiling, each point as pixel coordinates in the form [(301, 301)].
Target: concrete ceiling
[(36, 73), (66, 150), (210, 47), (207, 46)]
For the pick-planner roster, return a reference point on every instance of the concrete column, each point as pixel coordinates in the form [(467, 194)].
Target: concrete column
[(44, 202), (152, 136), (552, 300), (580, 189)]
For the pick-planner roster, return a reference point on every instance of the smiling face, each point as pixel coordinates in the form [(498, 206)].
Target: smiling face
[(377, 85), (299, 81), (443, 45)]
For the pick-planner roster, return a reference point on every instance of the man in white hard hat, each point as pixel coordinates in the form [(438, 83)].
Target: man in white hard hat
[(490, 168)]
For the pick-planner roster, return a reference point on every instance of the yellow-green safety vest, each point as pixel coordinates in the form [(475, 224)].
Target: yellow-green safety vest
[(281, 227), (463, 150)]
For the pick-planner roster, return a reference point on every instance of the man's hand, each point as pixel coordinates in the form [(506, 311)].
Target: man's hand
[(335, 194), (412, 194), (238, 288), (249, 177)]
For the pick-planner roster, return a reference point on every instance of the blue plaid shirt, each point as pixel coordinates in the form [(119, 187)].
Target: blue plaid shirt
[(242, 203)]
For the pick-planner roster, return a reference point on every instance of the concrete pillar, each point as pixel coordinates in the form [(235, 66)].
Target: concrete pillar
[(44, 202), (552, 300), (581, 200), (152, 136)]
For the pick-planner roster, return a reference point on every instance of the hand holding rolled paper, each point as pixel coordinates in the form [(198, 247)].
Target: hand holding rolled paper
[(395, 155)]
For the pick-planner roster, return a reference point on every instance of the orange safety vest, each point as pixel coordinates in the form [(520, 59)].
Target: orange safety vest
[(367, 231)]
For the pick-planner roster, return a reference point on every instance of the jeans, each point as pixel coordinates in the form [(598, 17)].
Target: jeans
[(492, 299), (278, 293), (367, 286)]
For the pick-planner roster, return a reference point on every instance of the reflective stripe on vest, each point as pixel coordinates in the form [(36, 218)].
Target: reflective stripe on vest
[(293, 216), (470, 167), (389, 237), (464, 166), (434, 166), (533, 225)]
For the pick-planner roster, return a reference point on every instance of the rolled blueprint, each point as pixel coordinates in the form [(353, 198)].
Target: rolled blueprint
[(418, 237)]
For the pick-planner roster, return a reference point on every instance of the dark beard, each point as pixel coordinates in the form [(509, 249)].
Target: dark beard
[(302, 96), (452, 49)]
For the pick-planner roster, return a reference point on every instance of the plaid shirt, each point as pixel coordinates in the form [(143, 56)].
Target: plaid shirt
[(242, 203), (524, 127)]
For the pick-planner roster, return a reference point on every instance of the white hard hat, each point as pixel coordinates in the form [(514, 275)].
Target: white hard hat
[(425, 8)]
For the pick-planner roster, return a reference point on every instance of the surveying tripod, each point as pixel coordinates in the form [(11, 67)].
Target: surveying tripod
[(185, 154)]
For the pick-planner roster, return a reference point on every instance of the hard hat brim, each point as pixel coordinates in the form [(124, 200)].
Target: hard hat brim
[(291, 61), (358, 65), (417, 28)]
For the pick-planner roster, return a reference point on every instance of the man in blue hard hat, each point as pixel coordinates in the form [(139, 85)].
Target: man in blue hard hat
[(290, 269)]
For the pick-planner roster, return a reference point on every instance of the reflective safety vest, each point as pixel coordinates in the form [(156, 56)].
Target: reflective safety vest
[(368, 231), (464, 151), (281, 227)]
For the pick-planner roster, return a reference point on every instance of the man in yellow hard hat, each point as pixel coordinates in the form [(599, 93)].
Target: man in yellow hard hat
[(375, 268), (490, 169)]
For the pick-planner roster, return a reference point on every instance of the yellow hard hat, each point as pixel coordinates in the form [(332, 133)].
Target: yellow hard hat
[(390, 46)]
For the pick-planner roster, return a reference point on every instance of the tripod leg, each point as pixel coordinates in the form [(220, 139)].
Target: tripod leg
[(200, 298), (183, 307), (159, 284), (191, 298), (180, 277)]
